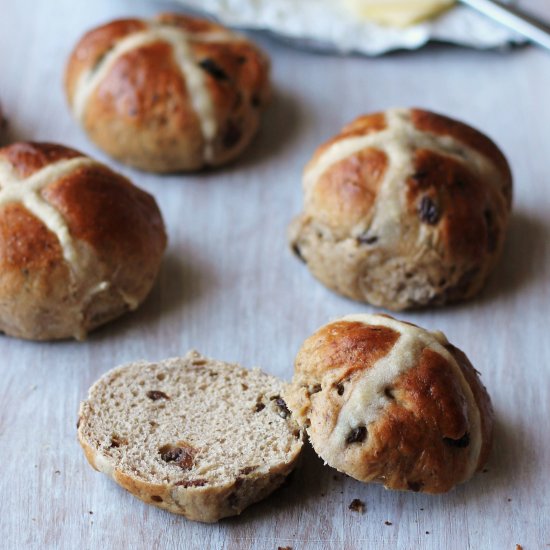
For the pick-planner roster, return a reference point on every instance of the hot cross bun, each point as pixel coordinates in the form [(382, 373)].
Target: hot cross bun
[(174, 93), (387, 401), (404, 209), (79, 244)]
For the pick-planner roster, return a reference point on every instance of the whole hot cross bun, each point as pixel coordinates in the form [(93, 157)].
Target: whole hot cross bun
[(170, 94), (387, 401), (404, 209), (79, 244)]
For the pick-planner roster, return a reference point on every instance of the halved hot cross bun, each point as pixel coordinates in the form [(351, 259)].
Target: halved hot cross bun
[(191, 435), (170, 94), (387, 401)]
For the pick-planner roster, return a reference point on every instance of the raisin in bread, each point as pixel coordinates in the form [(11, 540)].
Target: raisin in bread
[(194, 436)]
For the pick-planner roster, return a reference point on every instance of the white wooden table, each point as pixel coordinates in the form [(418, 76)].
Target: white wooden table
[(230, 288)]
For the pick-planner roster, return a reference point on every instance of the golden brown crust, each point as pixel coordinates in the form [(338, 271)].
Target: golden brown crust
[(107, 211), (346, 347), (460, 205), (115, 236), (206, 504), (142, 107), (26, 158), (420, 222), (119, 221), (347, 190), (93, 46), (25, 242), (428, 409), (240, 96), (361, 126), (143, 111), (427, 419), (366, 124), (445, 126), (484, 404)]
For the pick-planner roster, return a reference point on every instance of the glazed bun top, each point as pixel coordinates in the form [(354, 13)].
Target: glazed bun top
[(388, 401), (73, 233), (189, 87), (413, 172)]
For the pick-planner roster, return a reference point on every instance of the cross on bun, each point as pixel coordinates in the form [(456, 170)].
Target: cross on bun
[(404, 209), (387, 401), (174, 93), (79, 244)]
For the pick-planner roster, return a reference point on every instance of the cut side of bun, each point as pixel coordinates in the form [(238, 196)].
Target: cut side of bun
[(192, 435)]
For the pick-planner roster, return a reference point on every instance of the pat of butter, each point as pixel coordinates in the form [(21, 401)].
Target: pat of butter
[(398, 13)]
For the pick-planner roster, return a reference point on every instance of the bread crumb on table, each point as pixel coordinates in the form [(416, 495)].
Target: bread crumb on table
[(357, 505)]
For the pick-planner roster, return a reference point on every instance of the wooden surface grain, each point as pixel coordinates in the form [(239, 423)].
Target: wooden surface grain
[(230, 288)]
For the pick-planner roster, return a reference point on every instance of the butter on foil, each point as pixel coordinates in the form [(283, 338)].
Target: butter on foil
[(329, 25)]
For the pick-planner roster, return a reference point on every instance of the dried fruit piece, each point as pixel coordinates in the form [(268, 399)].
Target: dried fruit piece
[(357, 435), (232, 134), (284, 412), (247, 469), (117, 441), (315, 389), (181, 456), (191, 483), (428, 211), (462, 442), (213, 69), (388, 392), (365, 238), (155, 395)]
